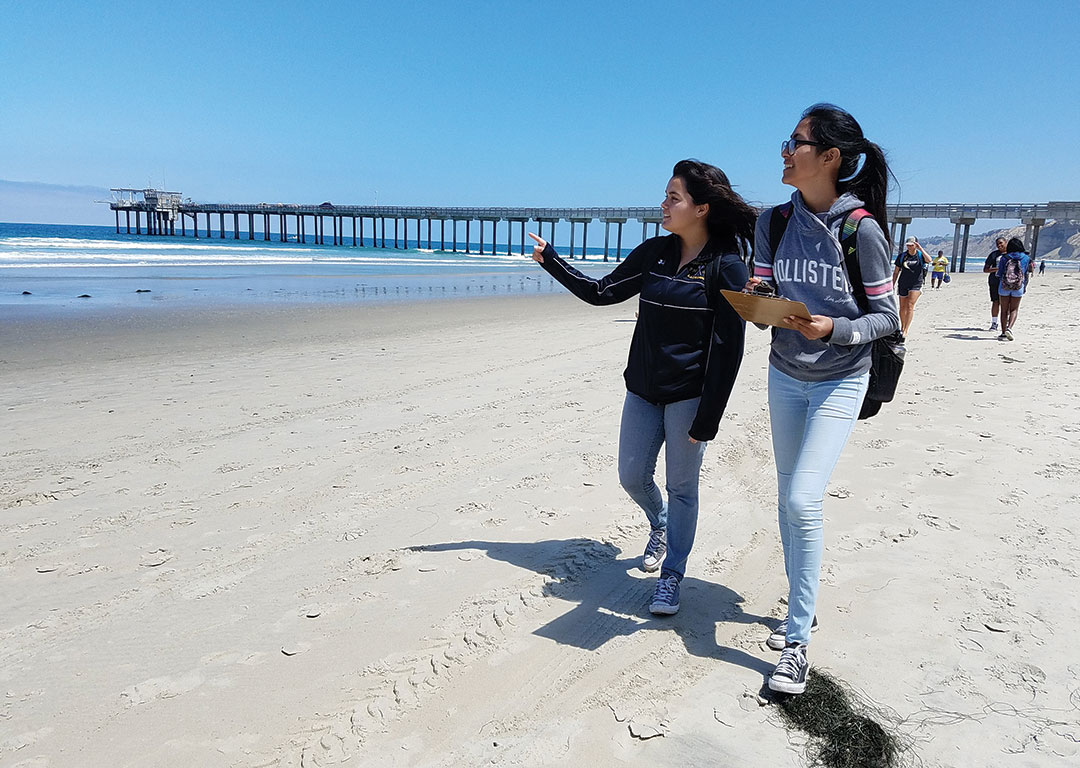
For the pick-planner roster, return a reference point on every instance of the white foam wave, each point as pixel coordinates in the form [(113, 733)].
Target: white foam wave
[(72, 244), (30, 263)]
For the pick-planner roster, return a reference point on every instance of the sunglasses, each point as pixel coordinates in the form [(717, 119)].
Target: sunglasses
[(788, 146)]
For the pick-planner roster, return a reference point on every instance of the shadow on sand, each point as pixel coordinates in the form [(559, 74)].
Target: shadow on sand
[(617, 604)]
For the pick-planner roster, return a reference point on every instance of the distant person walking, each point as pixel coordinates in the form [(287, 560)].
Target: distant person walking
[(1012, 270), (819, 368), (908, 276), (684, 354), (1042, 267), (939, 266), (990, 267)]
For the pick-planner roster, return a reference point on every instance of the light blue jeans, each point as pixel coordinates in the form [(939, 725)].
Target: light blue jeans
[(811, 424), (645, 427)]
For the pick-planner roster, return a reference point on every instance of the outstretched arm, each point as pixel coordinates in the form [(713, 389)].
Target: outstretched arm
[(619, 285)]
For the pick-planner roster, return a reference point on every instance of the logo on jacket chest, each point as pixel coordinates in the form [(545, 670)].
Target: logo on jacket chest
[(810, 272)]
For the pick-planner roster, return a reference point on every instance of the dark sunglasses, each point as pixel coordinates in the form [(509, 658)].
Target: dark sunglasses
[(788, 146)]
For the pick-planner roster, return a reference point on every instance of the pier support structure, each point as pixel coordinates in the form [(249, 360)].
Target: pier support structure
[(1031, 234), (494, 224), (608, 221), (959, 258), (903, 221), (510, 222)]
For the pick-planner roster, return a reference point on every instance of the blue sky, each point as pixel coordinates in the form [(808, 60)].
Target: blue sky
[(540, 103)]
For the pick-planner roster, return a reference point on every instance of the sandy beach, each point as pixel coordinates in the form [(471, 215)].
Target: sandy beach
[(394, 535)]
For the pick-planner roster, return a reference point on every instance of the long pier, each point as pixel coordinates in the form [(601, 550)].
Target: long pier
[(162, 210)]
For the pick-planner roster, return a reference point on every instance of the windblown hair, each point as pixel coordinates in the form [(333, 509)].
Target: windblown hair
[(834, 127), (1015, 245), (731, 220)]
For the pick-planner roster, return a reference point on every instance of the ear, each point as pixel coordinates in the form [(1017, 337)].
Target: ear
[(703, 210), (831, 155)]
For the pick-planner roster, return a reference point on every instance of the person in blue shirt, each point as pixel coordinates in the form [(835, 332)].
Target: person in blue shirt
[(1012, 276)]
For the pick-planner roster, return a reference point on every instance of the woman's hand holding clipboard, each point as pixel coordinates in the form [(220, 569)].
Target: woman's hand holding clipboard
[(758, 303)]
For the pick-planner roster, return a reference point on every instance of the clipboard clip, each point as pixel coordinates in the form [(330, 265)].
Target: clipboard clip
[(763, 289)]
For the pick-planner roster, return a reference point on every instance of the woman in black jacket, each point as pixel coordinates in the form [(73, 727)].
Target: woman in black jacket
[(684, 355)]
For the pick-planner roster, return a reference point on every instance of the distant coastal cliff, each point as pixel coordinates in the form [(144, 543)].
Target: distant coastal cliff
[(1057, 240)]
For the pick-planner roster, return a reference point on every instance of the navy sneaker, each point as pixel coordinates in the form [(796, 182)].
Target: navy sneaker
[(665, 600), (655, 551), (790, 673), (778, 638)]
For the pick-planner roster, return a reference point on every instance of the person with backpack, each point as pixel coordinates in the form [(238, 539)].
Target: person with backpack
[(684, 355), (819, 368), (908, 275), (1012, 279)]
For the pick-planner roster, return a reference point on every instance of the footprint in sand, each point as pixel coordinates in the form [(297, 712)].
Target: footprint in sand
[(159, 688), (155, 558)]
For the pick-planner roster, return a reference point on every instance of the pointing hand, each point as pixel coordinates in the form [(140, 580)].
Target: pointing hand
[(538, 249)]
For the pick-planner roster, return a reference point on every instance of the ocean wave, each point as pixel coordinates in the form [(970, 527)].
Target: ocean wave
[(255, 261), (71, 244)]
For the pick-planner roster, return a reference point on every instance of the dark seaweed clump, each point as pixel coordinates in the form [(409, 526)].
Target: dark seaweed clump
[(844, 728)]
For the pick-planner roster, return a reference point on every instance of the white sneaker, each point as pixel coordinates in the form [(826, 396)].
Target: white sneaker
[(994, 326)]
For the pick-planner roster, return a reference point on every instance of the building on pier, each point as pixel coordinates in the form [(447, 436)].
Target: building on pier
[(162, 210)]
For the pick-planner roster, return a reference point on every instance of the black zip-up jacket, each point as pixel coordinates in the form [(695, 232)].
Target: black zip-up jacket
[(686, 343)]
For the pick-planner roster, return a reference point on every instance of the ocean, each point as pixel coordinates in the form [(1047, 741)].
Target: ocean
[(80, 268)]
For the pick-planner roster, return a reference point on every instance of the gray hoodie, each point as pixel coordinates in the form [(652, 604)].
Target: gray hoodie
[(809, 268)]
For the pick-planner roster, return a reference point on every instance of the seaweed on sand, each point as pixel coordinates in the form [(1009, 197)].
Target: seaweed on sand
[(844, 728)]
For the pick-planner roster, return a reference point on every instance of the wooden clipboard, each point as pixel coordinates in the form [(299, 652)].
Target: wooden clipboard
[(767, 310)]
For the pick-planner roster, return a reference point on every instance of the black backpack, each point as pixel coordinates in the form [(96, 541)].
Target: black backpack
[(887, 353)]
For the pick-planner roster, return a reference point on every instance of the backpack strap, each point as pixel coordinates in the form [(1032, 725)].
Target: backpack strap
[(713, 282), (849, 245), (778, 221)]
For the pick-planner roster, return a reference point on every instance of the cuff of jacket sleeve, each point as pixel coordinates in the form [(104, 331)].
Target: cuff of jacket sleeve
[(841, 331)]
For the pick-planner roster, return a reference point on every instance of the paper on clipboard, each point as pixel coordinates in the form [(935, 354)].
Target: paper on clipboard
[(767, 310)]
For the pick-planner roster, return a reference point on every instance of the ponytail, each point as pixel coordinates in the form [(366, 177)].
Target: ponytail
[(833, 127), (871, 185)]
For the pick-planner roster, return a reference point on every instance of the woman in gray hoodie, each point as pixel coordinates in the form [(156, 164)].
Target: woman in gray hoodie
[(819, 368)]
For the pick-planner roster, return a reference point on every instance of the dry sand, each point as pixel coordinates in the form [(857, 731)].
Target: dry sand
[(394, 536)]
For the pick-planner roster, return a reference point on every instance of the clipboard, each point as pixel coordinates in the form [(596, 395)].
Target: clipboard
[(766, 310)]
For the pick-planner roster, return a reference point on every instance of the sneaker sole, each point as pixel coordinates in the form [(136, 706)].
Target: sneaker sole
[(782, 687), (652, 569), (663, 610)]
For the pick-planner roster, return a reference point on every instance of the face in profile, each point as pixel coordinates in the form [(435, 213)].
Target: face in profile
[(680, 212)]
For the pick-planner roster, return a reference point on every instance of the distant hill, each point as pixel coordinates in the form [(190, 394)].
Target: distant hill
[(32, 202), (1057, 240)]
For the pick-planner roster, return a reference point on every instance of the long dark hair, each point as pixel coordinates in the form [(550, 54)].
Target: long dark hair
[(834, 127), (731, 219), (1015, 245)]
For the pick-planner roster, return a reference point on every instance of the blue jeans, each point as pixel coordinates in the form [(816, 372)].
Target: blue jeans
[(811, 424), (645, 427)]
